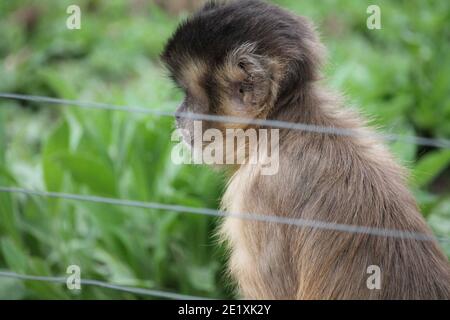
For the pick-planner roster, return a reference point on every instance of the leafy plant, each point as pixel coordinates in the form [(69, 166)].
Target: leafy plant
[(397, 75)]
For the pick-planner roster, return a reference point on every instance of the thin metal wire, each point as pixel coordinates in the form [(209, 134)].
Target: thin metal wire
[(439, 143), (97, 283), (314, 224)]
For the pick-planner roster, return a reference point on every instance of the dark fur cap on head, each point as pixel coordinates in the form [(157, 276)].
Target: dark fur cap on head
[(222, 27)]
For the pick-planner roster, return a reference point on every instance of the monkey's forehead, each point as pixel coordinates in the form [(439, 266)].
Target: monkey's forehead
[(213, 32)]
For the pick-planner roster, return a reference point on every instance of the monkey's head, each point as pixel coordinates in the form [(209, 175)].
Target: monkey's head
[(239, 59)]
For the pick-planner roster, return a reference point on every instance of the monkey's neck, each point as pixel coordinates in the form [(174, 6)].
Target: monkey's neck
[(312, 105), (306, 105)]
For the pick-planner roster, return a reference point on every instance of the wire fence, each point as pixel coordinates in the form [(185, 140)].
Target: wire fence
[(102, 284), (437, 143), (306, 223), (272, 218)]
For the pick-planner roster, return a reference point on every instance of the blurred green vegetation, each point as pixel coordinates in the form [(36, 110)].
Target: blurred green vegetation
[(398, 77)]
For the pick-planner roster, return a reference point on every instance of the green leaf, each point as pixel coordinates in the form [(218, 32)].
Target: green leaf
[(57, 143), (11, 289), (90, 171), (16, 258), (429, 167)]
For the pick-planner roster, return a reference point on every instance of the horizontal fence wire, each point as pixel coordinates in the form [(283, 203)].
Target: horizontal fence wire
[(307, 223), (102, 284), (314, 224), (423, 141)]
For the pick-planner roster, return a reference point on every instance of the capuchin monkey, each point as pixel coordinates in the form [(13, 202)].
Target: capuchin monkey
[(253, 60)]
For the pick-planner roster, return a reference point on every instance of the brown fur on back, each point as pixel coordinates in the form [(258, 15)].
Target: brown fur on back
[(273, 58), (346, 180)]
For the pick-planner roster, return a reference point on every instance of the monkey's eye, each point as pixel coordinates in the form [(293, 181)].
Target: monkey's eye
[(245, 87), (242, 91), (238, 89)]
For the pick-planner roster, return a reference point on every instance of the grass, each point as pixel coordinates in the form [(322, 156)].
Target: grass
[(398, 76)]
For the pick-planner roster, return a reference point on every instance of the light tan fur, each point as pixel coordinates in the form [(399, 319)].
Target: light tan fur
[(351, 180), (347, 180)]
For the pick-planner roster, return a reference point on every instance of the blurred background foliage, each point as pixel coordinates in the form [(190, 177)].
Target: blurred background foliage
[(397, 76)]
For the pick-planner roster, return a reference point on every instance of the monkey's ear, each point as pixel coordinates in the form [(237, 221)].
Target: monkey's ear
[(256, 76)]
